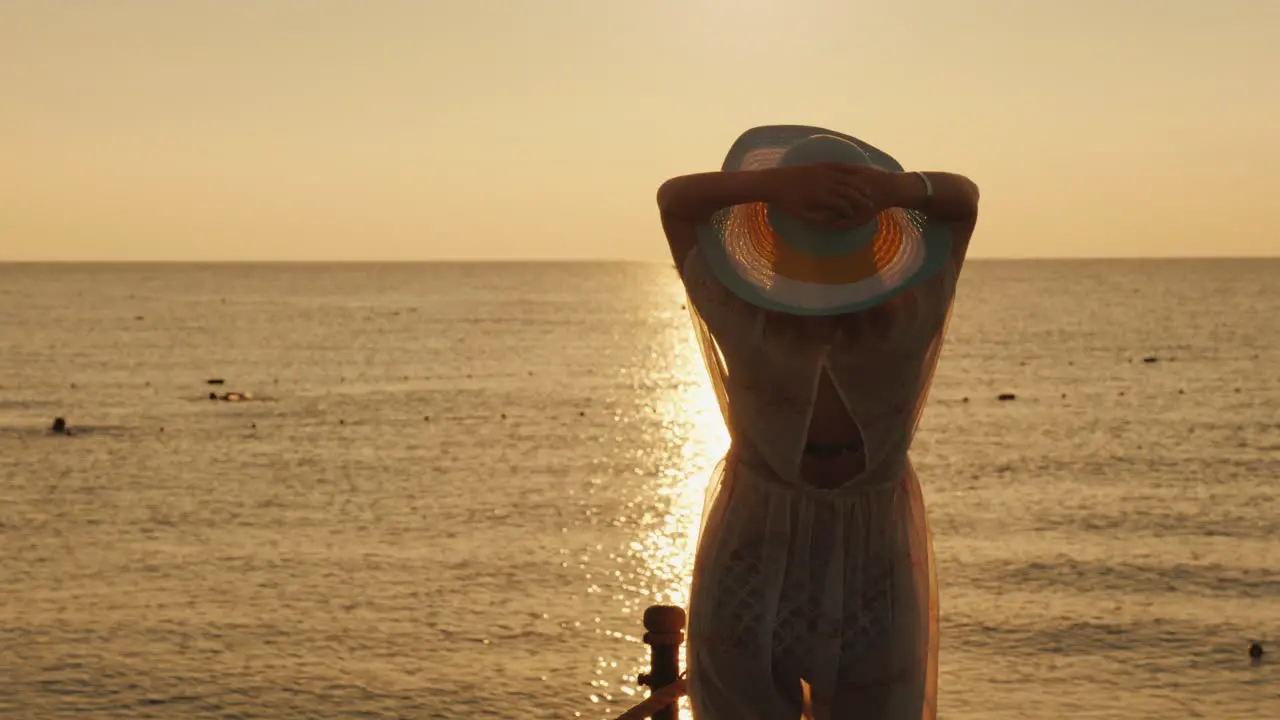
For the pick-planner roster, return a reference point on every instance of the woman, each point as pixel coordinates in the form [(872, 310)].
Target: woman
[(820, 278)]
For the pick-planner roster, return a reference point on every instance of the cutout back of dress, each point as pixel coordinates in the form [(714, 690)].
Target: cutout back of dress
[(767, 369)]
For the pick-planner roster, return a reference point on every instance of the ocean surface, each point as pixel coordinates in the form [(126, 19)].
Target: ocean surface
[(457, 486)]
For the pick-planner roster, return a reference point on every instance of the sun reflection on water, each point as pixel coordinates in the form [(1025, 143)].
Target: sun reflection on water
[(696, 433), (696, 429)]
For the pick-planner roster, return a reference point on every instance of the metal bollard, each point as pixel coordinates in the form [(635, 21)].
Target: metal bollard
[(664, 626)]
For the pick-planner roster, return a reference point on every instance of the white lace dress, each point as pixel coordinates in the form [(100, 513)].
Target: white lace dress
[(792, 582)]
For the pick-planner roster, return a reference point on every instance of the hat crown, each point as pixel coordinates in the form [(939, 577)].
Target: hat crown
[(824, 149), (816, 240)]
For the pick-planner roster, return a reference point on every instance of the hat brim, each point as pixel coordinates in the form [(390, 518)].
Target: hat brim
[(813, 285)]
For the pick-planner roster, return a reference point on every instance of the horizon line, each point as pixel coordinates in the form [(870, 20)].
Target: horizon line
[(590, 261)]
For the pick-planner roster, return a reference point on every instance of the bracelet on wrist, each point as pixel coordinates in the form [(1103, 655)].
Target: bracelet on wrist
[(928, 191)]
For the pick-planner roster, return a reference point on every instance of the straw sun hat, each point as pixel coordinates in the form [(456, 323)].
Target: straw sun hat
[(779, 263)]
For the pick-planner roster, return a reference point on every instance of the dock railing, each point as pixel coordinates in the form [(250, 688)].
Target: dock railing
[(664, 634)]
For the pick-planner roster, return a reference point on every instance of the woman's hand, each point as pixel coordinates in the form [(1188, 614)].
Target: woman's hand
[(834, 195)]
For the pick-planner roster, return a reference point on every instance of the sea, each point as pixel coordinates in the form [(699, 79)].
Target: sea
[(451, 490)]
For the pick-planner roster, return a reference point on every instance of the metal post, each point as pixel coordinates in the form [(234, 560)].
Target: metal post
[(664, 625)]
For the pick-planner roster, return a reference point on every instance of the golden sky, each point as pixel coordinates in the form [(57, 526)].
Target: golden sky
[(513, 129)]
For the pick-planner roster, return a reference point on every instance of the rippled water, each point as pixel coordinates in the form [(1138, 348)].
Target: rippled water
[(458, 486)]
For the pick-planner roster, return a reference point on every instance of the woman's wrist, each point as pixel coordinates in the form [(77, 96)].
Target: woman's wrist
[(943, 196), (909, 190)]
